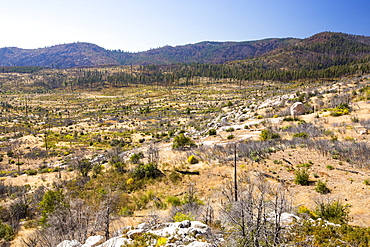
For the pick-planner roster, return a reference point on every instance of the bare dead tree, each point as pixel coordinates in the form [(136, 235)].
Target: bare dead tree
[(75, 221), (254, 219), (153, 154), (153, 217), (208, 213)]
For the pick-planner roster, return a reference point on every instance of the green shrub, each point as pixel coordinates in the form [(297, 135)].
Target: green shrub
[(212, 132), (289, 119), (340, 110), (125, 211), (45, 170), (231, 129), (302, 176), (181, 217), (174, 201), (192, 159), (321, 187), (300, 135), (31, 172), (175, 177), (149, 170), (181, 141), (335, 212), (143, 239), (135, 158), (286, 127), (229, 137), (322, 234), (31, 224), (50, 201), (6, 232), (329, 167), (307, 165), (267, 134)]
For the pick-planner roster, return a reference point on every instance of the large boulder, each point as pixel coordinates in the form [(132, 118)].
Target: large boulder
[(93, 241), (288, 218), (297, 109)]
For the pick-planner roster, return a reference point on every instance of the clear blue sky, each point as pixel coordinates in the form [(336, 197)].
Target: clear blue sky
[(137, 25)]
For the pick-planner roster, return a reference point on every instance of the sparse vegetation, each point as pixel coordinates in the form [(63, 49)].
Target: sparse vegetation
[(103, 137)]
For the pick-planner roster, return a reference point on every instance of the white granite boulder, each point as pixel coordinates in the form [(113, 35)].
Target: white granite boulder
[(69, 243), (297, 109), (92, 241)]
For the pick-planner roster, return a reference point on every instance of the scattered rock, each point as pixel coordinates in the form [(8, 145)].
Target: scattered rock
[(69, 243), (363, 132), (185, 233), (199, 244)]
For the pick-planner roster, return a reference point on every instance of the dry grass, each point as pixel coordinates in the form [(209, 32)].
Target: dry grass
[(166, 113)]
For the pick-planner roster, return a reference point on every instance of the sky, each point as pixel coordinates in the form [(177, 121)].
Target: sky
[(139, 25)]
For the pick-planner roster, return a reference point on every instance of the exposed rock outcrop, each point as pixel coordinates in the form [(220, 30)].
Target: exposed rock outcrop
[(185, 233)]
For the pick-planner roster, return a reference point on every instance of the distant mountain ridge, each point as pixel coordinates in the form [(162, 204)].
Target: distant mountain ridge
[(62, 56), (204, 52), (318, 51), (87, 54)]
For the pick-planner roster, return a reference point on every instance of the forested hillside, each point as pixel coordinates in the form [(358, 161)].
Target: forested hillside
[(203, 52), (85, 54), (59, 56), (324, 55)]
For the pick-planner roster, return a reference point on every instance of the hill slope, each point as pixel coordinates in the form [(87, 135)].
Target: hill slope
[(318, 52), (86, 54), (63, 56), (204, 52)]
